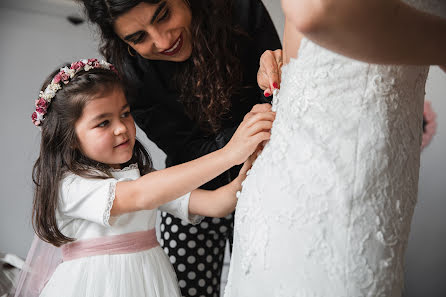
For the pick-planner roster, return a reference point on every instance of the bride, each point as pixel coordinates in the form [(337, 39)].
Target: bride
[(327, 206)]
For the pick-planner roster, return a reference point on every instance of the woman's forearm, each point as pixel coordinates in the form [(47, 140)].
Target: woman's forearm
[(374, 31)]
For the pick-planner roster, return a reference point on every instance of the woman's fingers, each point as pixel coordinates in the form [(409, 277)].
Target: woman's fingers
[(265, 107), (268, 76), (263, 116), (260, 126)]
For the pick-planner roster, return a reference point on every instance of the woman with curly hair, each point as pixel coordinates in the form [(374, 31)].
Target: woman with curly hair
[(190, 71)]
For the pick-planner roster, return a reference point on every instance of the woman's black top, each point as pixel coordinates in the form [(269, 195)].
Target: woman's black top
[(156, 105)]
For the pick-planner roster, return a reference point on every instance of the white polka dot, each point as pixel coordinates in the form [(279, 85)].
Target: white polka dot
[(192, 291), (208, 243), (191, 275), (214, 281), (223, 229), (201, 282), (166, 250), (172, 243), (209, 259), (182, 283), (193, 230), (181, 252), (204, 225), (184, 223), (163, 227), (222, 243), (201, 251), (181, 267), (200, 236), (208, 274), (166, 235), (162, 241), (191, 259), (216, 251), (215, 266), (209, 290), (172, 259), (168, 220), (191, 244), (164, 214), (215, 220), (182, 236), (200, 266), (174, 228)]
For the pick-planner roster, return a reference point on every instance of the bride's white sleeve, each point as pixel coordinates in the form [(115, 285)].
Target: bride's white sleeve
[(180, 209)]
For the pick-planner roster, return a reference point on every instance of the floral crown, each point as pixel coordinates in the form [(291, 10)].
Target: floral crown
[(64, 76)]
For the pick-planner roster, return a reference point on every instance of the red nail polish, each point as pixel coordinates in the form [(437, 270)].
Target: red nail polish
[(275, 85), (267, 94)]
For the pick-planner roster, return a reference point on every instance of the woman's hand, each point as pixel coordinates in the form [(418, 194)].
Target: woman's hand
[(430, 124), (270, 71), (255, 128)]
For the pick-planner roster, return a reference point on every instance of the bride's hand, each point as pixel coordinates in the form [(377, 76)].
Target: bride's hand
[(270, 71)]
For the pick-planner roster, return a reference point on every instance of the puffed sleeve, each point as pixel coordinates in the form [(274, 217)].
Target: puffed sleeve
[(180, 209), (90, 199)]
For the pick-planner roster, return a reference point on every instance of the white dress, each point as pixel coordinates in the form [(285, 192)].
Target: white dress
[(326, 208), (85, 213)]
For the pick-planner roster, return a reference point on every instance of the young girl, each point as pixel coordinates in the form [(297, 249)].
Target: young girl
[(97, 195)]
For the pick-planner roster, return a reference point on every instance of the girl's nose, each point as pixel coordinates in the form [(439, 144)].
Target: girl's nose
[(119, 129)]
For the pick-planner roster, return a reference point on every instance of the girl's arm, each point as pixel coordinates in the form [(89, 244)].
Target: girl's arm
[(374, 31), (159, 187), (220, 202)]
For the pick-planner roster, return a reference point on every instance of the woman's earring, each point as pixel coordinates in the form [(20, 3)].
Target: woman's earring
[(130, 51)]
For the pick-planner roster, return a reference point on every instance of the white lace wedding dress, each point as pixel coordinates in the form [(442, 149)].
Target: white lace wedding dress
[(327, 206)]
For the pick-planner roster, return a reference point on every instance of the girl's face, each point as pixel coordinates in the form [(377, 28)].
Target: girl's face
[(106, 130), (158, 31)]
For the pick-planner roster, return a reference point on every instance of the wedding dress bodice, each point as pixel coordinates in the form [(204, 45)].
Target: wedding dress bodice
[(327, 206)]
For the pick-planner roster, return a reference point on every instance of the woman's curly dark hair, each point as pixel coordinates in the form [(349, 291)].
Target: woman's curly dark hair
[(208, 79)]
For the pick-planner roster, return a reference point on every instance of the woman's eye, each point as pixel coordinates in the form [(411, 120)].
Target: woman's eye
[(138, 39), (164, 16), (126, 114), (103, 124)]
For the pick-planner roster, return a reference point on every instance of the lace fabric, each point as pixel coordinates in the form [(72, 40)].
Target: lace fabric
[(327, 206)]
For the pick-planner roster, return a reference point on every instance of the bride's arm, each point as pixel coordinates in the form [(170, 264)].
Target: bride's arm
[(374, 31)]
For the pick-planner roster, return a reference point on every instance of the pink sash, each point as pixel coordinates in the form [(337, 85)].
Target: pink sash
[(110, 245), (43, 258)]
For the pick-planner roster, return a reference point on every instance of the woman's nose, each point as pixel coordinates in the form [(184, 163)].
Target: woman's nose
[(161, 40)]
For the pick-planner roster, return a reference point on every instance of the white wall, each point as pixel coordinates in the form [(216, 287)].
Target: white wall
[(33, 44)]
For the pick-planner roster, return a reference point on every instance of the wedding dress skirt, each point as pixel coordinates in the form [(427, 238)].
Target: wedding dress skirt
[(326, 208)]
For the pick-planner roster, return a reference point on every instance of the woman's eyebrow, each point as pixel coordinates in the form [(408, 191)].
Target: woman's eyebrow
[(154, 17), (157, 11)]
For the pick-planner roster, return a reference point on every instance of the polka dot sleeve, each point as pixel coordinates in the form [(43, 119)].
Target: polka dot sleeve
[(180, 209)]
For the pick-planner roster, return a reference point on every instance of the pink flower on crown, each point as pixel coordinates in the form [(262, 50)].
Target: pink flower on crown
[(64, 76), (92, 60), (77, 65), (42, 103), (34, 119), (57, 78)]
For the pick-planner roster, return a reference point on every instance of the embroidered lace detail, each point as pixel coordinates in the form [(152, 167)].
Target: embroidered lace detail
[(130, 167), (327, 206), (111, 199)]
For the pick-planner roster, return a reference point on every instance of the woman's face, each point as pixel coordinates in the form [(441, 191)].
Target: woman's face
[(158, 31)]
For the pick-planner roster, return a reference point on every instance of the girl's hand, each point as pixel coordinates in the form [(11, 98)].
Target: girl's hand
[(254, 129), (270, 71)]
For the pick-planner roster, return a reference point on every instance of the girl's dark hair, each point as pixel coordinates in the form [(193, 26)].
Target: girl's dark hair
[(59, 148), (208, 79)]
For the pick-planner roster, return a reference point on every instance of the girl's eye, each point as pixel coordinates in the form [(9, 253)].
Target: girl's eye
[(126, 114), (165, 15), (103, 124)]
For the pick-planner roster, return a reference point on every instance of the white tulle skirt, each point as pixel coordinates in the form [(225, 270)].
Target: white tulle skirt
[(142, 274)]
